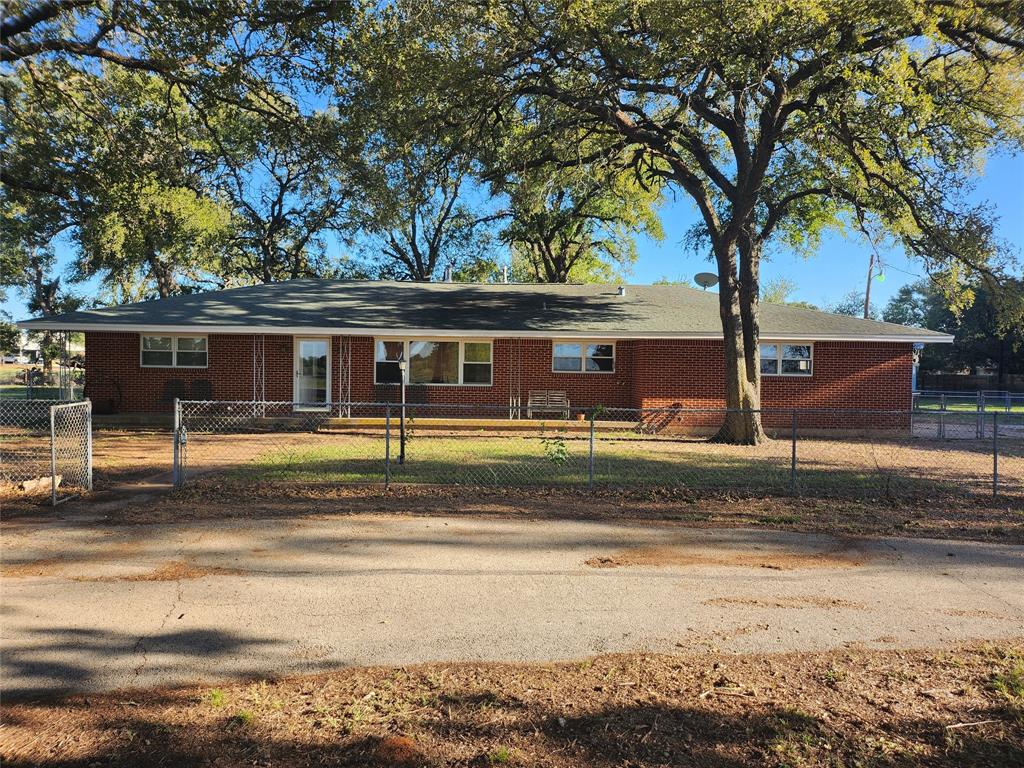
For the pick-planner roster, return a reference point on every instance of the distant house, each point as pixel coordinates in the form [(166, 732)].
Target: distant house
[(316, 341)]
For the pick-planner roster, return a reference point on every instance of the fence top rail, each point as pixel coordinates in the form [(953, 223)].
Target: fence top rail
[(326, 408), (968, 393), (11, 402), (72, 404)]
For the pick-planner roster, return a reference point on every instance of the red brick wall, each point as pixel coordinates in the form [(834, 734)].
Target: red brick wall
[(689, 374), (648, 373), (534, 361), (116, 382)]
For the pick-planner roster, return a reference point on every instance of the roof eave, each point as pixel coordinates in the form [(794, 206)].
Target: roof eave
[(57, 325)]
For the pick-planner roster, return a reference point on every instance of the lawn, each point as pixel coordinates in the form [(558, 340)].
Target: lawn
[(12, 389), (857, 468), (21, 392), (967, 404), (952, 708)]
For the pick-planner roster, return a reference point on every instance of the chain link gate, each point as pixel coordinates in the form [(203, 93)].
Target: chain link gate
[(70, 450)]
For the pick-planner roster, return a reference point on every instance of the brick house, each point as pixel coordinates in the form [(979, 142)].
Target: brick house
[(317, 341)]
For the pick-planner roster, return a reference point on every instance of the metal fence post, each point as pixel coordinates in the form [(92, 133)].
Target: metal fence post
[(995, 453), (53, 456), (590, 468), (88, 445), (176, 468), (792, 466), (387, 446)]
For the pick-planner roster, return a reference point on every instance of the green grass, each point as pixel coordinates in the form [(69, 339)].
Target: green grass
[(556, 461), (243, 718), (499, 756), (20, 392), (967, 405), (1010, 682)]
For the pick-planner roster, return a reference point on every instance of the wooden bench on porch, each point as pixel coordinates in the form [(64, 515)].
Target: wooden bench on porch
[(547, 401)]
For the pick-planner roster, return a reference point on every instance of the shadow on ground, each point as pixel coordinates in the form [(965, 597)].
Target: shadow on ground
[(453, 718)]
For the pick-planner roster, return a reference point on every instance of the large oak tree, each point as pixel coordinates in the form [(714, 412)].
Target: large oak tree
[(777, 119)]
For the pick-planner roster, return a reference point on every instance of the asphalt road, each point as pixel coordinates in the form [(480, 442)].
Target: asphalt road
[(88, 608)]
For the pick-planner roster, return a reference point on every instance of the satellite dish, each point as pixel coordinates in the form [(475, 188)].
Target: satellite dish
[(705, 279)]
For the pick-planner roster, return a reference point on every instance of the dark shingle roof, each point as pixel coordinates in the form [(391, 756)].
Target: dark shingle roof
[(362, 307)]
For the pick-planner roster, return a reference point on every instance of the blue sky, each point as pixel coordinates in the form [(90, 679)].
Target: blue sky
[(839, 266)]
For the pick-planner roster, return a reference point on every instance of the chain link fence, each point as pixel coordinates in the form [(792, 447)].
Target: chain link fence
[(46, 446), (981, 400), (829, 453)]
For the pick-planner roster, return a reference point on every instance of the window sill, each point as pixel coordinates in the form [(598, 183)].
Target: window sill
[(177, 367), (398, 384)]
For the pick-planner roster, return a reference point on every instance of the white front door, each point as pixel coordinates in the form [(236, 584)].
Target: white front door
[(312, 374)]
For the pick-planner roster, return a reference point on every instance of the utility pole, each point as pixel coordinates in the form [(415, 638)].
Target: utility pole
[(867, 290)]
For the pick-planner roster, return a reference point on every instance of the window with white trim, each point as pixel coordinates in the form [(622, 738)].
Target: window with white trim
[(583, 357), (476, 362), (173, 351), (787, 359), (433, 361)]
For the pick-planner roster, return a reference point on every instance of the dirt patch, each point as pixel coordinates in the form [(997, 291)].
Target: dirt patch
[(943, 709), (399, 751), (43, 566), (674, 556), (52, 565), (976, 614), (175, 570), (1000, 521), (793, 602)]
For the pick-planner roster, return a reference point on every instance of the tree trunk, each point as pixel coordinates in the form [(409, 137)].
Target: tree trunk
[(737, 304)]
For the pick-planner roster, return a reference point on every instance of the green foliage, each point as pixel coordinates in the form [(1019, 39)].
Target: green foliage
[(243, 718), (555, 449), (852, 304), (665, 280), (779, 290), (1010, 682), (500, 756), (779, 121), (988, 332), (287, 185), (571, 226), (414, 211), (10, 336), (183, 149)]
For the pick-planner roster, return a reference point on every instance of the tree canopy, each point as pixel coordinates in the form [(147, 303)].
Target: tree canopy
[(183, 145), (778, 120)]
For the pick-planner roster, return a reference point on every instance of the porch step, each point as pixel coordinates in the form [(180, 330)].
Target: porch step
[(462, 425)]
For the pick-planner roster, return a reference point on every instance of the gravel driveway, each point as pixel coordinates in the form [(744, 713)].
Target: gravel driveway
[(90, 608)]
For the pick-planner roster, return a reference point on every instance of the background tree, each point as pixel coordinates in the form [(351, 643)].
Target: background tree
[(10, 336), (852, 304), (777, 120), (235, 54), (988, 332), (287, 189), (110, 157), (570, 226), (779, 290), (416, 217)]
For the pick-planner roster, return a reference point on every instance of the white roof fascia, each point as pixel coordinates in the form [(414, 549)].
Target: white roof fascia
[(434, 332)]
